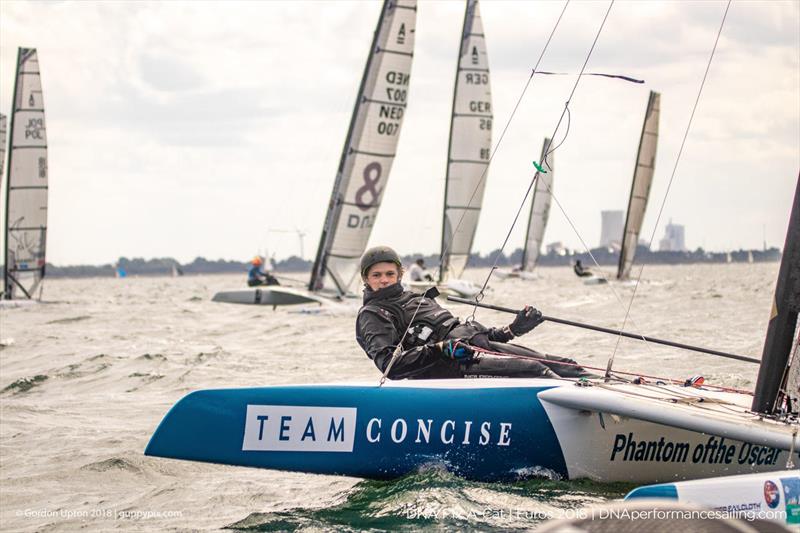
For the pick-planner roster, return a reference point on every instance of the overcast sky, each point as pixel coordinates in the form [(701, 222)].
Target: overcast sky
[(214, 129)]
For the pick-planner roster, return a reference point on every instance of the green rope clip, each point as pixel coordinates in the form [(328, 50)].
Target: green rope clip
[(539, 168)]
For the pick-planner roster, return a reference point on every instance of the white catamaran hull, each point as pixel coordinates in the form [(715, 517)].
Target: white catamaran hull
[(516, 274), (485, 429), (271, 295), (454, 287), (774, 496)]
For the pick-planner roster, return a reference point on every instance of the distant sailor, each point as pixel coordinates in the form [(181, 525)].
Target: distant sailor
[(257, 276), (437, 344), (580, 271), (417, 271)]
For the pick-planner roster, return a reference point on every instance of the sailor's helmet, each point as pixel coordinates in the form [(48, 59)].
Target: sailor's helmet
[(378, 254)]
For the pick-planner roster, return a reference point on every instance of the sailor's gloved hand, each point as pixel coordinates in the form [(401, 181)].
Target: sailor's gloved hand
[(526, 320), (456, 349)]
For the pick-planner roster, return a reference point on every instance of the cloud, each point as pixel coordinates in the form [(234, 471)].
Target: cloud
[(193, 128)]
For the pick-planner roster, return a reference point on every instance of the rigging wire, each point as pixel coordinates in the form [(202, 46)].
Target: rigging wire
[(446, 249), (594, 259), (669, 184), (547, 150)]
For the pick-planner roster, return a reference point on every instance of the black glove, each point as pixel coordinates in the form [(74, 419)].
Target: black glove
[(456, 349), (526, 320)]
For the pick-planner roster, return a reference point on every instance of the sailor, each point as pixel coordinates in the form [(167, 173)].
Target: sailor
[(580, 271), (256, 276), (417, 271), (435, 344)]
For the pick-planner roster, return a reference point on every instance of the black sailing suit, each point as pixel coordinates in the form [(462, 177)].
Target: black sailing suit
[(386, 315)]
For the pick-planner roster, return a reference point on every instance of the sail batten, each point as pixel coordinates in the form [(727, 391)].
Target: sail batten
[(540, 211), (27, 183), (369, 150), (469, 146), (640, 187)]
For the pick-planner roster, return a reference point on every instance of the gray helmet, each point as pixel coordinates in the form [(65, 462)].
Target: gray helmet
[(378, 254)]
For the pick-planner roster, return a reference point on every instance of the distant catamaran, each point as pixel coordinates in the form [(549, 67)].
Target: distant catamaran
[(363, 172), (640, 187), (540, 210), (26, 186), (469, 147), (640, 191), (537, 220)]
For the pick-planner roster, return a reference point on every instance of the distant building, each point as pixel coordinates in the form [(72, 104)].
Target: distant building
[(674, 239), (611, 229), (557, 248)]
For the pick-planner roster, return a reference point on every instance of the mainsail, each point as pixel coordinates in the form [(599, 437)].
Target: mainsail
[(470, 146), (26, 192), (540, 210), (640, 188), (778, 375), (3, 129), (369, 150)]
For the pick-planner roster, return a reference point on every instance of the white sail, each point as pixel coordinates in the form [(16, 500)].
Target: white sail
[(369, 150), (792, 389), (3, 129), (26, 193), (540, 211), (470, 146), (640, 188)]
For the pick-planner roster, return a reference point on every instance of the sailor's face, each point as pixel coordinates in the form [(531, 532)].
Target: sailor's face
[(382, 275)]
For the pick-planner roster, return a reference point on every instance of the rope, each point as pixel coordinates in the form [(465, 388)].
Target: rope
[(547, 151), (669, 184), (578, 365)]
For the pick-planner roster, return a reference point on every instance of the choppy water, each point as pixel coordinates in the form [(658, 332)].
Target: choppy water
[(86, 378)]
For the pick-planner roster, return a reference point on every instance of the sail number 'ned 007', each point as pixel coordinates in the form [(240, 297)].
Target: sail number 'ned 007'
[(395, 95)]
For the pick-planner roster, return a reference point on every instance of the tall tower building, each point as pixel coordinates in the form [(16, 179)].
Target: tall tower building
[(611, 228), (674, 238)]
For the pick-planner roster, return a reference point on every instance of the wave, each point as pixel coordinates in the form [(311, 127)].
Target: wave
[(25, 384), (436, 499)]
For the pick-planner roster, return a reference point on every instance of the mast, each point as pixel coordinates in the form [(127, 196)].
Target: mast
[(369, 149), (3, 130), (6, 245), (640, 185), (540, 211), (469, 145), (772, 375)]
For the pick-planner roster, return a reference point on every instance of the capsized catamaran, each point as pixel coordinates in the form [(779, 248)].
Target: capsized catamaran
[(607, 430), (26, 186), (537, 220), (364, 167), (640, 187)]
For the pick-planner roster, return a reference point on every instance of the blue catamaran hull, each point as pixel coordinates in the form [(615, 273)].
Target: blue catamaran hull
[(365, 431), (484, 429)]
